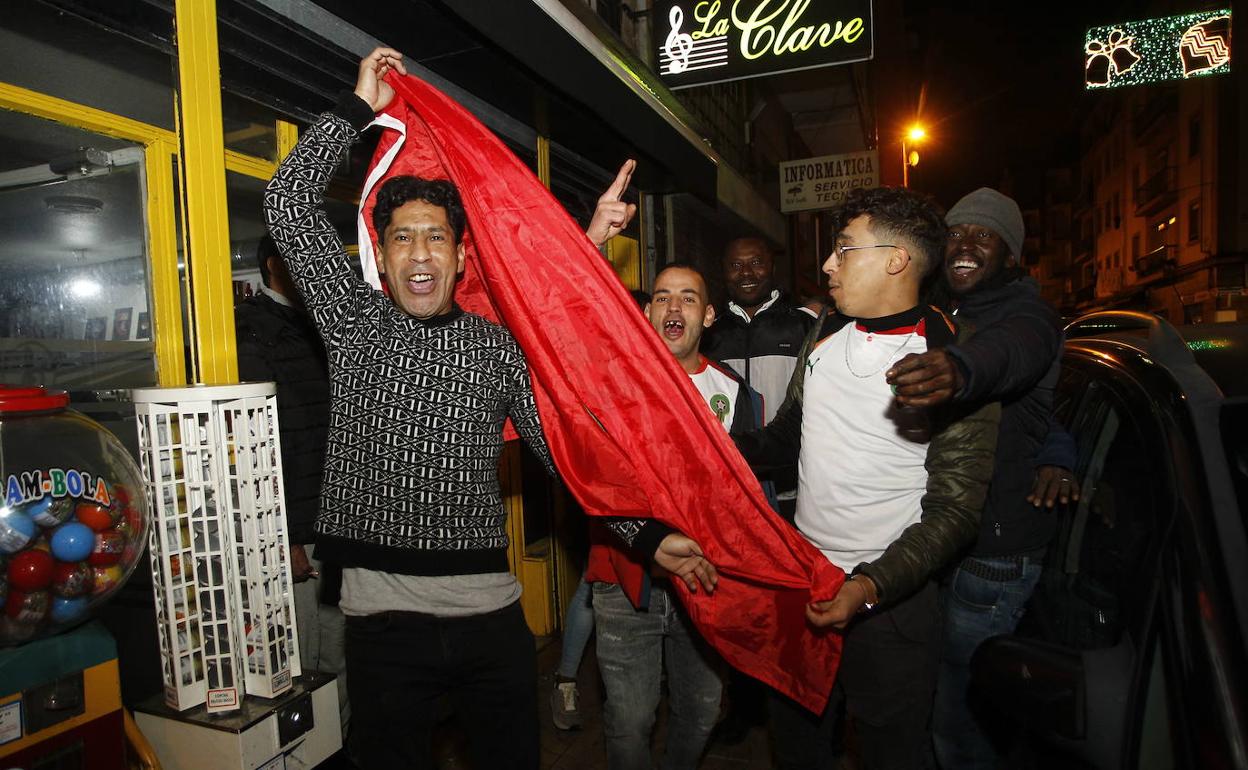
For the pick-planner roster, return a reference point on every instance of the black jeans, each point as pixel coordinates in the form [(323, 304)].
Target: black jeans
[(400, 663), (885, 685)]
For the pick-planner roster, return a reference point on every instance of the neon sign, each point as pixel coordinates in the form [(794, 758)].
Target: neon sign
[(1153, 50), (712, 41)]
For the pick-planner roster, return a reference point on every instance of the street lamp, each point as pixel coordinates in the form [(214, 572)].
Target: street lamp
[(914, 135)]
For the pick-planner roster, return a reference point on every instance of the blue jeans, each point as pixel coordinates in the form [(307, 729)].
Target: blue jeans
[(633, 645), (578, 624), (976, 609)]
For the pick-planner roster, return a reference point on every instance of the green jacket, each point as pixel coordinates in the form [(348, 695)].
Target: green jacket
[(960, 457)]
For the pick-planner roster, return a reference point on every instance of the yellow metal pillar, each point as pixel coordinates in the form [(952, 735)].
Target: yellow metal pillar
[(167, 329), (287, 137), (543, 160), (203, 178)]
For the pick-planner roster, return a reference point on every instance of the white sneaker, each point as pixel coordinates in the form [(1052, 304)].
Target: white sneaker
[(565, 708)]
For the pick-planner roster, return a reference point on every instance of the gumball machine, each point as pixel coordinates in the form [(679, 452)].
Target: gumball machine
[(73, 521)]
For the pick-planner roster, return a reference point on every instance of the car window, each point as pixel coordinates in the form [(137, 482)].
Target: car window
[(1072, 387), (1094, 585)]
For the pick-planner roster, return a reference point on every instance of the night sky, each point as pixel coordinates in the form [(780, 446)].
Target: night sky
[(1003, 90)]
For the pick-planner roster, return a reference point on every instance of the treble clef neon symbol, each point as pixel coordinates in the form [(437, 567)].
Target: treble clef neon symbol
[(678, 45)]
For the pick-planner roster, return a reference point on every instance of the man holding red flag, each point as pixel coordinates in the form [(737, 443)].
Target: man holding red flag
[(889, 494), (642, 629), (410, 503)]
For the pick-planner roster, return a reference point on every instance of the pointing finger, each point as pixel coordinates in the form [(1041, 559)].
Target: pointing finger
[(617, 188)]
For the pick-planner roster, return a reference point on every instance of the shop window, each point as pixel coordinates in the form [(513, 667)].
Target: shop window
[(1193, 220), (57, 53), (245, 195), (248, 127), (1194, 313), (74, 309)]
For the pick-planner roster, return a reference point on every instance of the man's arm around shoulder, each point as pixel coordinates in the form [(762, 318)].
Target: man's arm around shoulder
[(960, 461)]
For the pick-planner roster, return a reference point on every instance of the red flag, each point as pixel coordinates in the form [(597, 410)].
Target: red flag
[(629, 433)]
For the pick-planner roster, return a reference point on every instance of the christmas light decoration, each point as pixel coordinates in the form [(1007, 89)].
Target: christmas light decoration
[(1154, 50)]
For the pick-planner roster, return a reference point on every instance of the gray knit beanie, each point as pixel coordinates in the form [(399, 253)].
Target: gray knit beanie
[(991, 209)]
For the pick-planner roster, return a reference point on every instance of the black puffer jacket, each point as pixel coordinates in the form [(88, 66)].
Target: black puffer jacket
[(959, 465), (279, 344), (1013, 355), (764, 351)]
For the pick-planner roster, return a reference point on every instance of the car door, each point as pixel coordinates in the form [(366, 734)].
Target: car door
[(1074, 668)]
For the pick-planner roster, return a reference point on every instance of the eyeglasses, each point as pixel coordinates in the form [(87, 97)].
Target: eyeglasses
[(838, 251)]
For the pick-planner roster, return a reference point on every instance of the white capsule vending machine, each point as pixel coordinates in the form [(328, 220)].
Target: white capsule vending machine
[(233, 691)]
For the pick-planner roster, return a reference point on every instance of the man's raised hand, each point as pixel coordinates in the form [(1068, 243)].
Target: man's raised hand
[(612, 214), (682, 556), (369, 85)]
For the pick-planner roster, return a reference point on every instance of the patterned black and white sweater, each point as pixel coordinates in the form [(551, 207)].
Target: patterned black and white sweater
[(417, 407)]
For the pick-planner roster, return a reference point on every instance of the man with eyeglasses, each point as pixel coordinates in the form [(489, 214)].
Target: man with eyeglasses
[(1014, 357), (889, 494)]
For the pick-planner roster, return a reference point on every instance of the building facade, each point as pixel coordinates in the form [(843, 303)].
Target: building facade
[(1158, 213)]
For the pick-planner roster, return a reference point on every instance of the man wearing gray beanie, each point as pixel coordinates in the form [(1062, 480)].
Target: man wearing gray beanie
[(1013, 357)]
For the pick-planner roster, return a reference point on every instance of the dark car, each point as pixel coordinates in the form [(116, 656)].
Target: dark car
[(1133, 652)]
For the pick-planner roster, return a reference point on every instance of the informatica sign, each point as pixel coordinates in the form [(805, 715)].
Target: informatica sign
[(717, 40), (820, 183), (1150, 51)]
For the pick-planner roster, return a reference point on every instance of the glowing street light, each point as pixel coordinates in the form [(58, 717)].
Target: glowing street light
[(914, 135)]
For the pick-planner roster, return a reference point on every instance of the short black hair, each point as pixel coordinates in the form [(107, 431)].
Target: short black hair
[(691, 268), (642, 298), (436, 192), (902, 212), (265, 249)]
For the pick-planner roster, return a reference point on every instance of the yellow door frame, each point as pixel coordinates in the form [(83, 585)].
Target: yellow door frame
[(159, 149)]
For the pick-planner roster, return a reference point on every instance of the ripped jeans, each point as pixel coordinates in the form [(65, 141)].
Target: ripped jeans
[(632, 647)]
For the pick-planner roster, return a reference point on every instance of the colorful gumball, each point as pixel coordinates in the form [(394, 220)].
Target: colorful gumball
[(68, 609), (108, 548), (105, 578), (54, 511), (16, 530), (71, 580), (36, 508), (72, 541), (97, 517), (31, 570)]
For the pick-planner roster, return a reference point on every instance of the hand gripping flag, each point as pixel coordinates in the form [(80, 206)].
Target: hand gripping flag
[(630, 435)]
